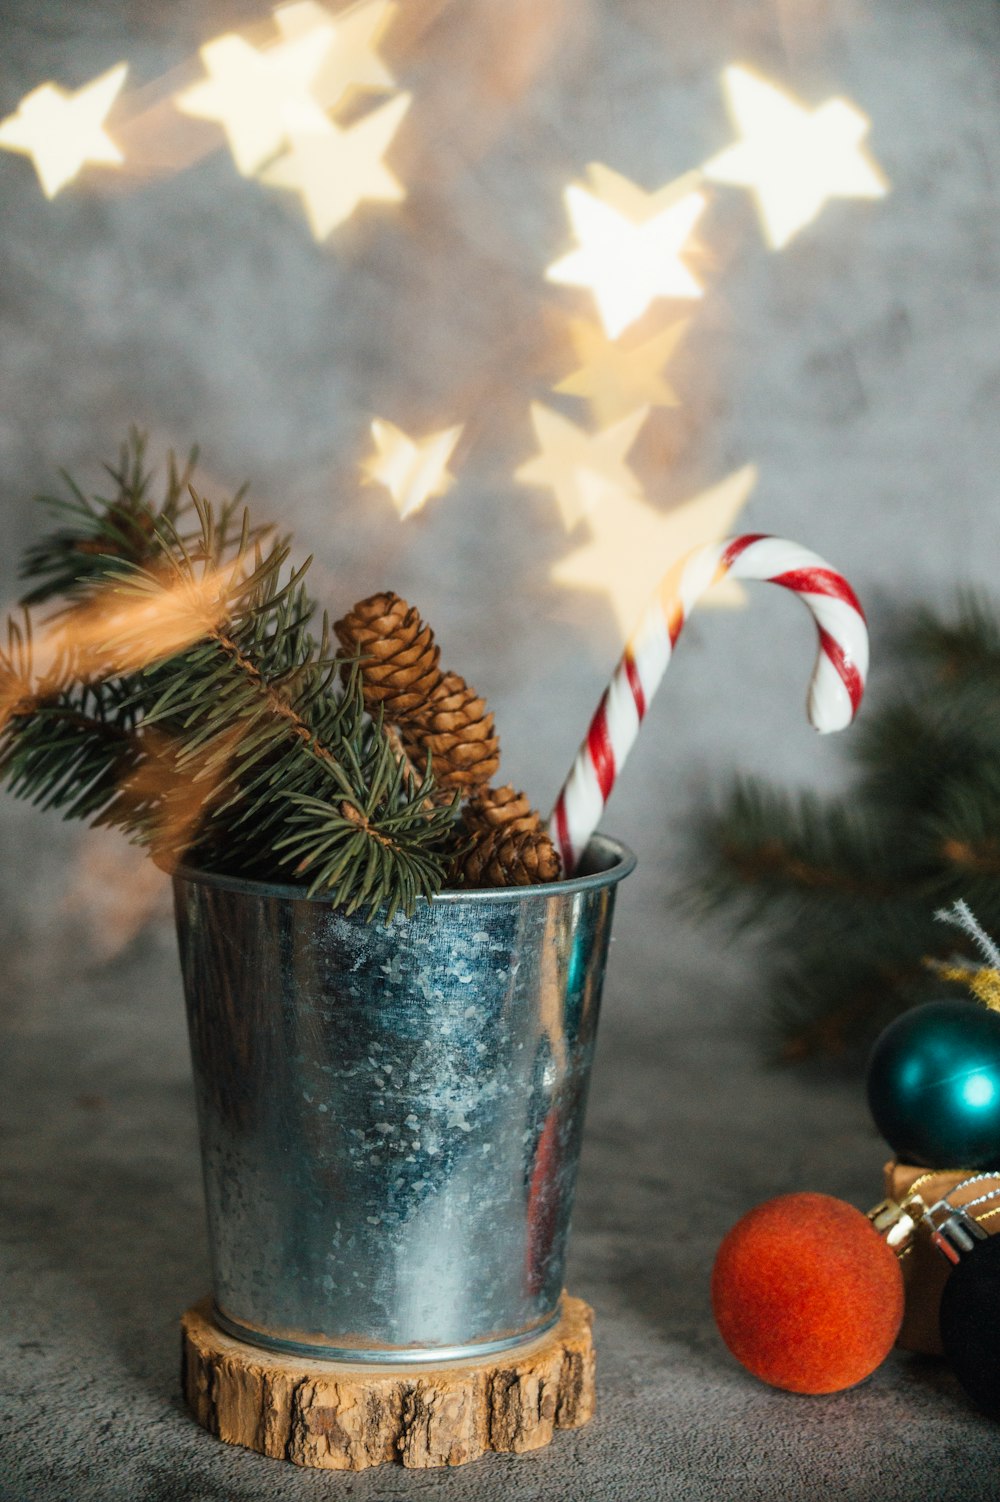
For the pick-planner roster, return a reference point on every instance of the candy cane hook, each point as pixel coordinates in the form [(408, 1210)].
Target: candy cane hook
[(835, 689)]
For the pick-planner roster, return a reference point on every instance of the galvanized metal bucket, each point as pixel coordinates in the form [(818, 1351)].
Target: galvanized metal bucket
[(391, 1113)]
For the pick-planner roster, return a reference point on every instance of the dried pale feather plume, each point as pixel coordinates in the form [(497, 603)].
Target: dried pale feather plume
[(397, 654)]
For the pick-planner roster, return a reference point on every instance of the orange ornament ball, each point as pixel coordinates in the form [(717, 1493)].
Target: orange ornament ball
[(807, 1294)]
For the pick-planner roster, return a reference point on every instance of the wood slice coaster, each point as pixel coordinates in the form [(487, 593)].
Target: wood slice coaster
[(340, 1417)]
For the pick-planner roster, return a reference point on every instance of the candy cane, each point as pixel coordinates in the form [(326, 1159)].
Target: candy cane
[(835, 689)]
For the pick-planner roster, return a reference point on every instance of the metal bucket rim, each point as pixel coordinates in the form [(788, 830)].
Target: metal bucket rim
[(601, 847)]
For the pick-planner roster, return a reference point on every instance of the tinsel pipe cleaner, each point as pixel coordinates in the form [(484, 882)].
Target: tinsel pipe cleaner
[(835, 689)]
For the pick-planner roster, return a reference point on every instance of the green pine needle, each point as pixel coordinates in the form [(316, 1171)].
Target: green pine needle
[(181, 690), (842, 892)]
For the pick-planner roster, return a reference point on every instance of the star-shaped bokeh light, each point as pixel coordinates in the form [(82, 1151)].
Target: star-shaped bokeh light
[(582, 469), (794, 159), (260, 98), (351, 59), (335, 169), (634, 545), (411, 469), (615, 377), (636, 203), (62, 132), (630, 244)]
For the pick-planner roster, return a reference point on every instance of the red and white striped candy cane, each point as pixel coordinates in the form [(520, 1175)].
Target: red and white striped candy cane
[(835, 689)]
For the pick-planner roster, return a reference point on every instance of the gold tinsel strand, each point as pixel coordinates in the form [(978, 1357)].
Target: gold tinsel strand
[(984, 983)]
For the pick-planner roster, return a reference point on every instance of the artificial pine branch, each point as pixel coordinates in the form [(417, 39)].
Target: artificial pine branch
[(185, 699), (842, 892), (71, 558), (966, 646), (961, 916), (784, 850)]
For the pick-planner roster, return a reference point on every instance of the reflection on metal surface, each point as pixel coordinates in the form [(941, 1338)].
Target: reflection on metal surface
[(391, 1113), (359, 1354)]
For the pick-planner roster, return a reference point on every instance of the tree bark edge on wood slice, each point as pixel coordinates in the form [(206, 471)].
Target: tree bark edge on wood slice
[(334, 1416)]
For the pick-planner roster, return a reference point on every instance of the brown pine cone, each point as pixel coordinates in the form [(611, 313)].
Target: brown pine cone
[(398, 654), (502, 858), (496, 808), (457, 730)]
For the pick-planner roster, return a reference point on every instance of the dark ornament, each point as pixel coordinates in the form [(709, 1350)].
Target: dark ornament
[(970, 1324)]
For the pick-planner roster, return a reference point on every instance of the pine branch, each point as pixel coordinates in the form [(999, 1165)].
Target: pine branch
[(63, 744), (960, 833), (185, 699), (843, 892), (281, 752), (764, 849), (964, 647), (915, 748), (101, 534)]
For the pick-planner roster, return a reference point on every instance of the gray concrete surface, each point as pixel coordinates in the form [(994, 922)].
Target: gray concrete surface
[(859, 369)]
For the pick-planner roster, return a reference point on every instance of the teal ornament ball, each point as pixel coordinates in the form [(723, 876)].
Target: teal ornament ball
[(934, 1085)]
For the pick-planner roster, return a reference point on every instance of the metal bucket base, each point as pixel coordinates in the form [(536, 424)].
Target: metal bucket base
[(365, 1356), (347, 1416)]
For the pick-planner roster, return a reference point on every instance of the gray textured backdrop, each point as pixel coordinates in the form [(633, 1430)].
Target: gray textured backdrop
[(859, 369)]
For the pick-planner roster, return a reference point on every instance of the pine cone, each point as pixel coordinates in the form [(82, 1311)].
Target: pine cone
[(505, 858), (399, 657), (457, 730), (496, 808)]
